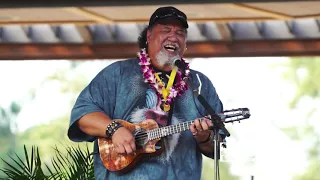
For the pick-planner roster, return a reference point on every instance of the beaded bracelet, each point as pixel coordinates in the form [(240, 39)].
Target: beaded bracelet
[(112, 127)]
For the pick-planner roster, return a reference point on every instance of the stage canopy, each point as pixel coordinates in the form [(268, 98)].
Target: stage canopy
[(63, 30)]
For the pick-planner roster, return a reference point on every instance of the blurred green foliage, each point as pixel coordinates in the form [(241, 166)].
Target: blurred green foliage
[(304, 73)]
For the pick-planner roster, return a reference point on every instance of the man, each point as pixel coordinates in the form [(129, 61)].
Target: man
[(149, 87)]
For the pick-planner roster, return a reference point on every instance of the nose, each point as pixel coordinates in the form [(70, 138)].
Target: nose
[(173, 37)]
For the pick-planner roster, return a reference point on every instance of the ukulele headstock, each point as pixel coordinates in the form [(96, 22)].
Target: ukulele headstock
[(235, 115)]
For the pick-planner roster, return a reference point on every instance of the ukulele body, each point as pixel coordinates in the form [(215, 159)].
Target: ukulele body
[(122, 163)]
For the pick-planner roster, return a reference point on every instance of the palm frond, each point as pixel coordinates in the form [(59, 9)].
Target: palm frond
[(28, 169), (75, 164)]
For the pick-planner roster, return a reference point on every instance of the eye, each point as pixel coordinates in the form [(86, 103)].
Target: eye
[(166, 30), (181, 32)]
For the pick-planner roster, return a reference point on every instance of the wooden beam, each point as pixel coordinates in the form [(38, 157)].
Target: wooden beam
[(45, 51), (80, 23), (308, 16), (101, 21), (263, 12), (254, 48), (83, 3), (84, 23), (97, 18), (204, 20), (243, 48)]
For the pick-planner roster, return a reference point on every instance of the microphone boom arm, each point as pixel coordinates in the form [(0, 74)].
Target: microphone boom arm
[(216, 120)]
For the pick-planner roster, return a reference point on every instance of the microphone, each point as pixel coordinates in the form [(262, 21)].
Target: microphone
[(177, 62)]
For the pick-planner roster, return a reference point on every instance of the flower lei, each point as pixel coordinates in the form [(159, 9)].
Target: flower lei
[(179, 87)]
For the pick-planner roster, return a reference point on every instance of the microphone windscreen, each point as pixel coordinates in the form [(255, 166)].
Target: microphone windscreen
[(179, 63)]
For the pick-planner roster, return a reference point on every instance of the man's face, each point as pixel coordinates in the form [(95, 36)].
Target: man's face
[(166, 42)]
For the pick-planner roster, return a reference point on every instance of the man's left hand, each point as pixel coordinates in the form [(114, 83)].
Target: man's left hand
[(200, 129)]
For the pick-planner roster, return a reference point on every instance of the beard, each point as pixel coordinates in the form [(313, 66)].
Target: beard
[(164, 59)]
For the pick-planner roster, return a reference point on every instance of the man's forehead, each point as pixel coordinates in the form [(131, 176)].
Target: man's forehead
[(170, 22)]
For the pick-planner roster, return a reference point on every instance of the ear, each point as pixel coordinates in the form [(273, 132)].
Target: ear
[(185, 49)]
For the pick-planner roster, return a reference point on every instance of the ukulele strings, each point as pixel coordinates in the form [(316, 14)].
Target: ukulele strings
[(144, 135)]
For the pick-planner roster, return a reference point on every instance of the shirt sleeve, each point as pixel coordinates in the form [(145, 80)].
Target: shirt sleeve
[(98, 96)]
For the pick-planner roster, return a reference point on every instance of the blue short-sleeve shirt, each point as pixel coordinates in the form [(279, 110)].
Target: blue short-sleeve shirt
[(119, 91)]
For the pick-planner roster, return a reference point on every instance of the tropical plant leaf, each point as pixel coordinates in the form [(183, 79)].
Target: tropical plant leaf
[(13, 169), (75, 164), (25, 168)]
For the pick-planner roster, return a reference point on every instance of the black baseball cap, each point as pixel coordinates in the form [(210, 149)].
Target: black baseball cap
[(168, 12)]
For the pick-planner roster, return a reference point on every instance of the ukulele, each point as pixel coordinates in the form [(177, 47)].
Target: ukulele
[(147, 134)]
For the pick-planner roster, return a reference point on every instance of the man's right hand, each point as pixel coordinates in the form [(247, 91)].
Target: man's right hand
[(95, 124), (123, 141)]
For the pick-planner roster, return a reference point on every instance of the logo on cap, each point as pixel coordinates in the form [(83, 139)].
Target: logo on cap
[(166, 13)]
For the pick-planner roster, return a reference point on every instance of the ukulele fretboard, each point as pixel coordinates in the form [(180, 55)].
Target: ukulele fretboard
[(168, 130)]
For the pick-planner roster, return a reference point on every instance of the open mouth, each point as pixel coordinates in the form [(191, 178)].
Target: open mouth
[(171, 48)]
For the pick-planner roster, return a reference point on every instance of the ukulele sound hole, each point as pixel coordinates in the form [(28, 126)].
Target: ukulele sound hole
[(141, 138)]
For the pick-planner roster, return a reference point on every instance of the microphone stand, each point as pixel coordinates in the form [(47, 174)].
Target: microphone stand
[(217, 125), (216, 155), (216, 121)]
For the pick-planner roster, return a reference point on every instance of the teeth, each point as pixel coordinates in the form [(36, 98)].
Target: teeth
[(170, 47)]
